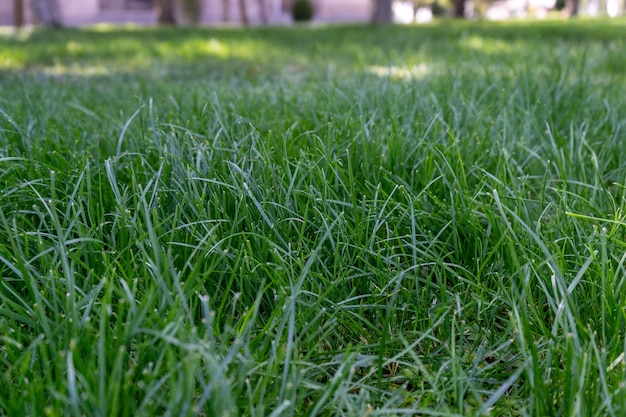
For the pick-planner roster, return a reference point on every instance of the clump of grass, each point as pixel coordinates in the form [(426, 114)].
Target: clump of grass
[(319, 221)]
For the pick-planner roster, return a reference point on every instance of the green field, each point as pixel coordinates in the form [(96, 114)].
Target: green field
[(333, 221)]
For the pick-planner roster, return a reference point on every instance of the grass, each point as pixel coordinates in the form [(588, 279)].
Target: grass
[(314, 221)]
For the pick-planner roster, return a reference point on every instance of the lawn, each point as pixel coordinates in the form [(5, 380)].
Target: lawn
[(344, 221)]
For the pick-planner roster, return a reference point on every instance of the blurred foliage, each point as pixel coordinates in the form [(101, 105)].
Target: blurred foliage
[(302, 10)]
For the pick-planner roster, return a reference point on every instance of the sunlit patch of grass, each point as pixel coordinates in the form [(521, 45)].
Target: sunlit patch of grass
[(76, 70), (485, 45), (415, 72)]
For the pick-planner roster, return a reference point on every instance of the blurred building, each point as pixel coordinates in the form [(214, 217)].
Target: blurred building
[(88, 12)]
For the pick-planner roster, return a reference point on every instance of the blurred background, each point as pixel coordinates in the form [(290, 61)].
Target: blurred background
[(284, 12)]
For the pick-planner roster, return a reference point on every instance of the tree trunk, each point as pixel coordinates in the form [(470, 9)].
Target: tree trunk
[(571, 8), (18, 13), (382, 11), (459, 9), (191, 11), (262, 11), (243, 11), (165, 12), (225, 11), (46, 13)]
